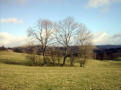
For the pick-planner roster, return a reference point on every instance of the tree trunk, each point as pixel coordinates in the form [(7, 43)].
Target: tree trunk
[(64, 60), (44, 59), (65, 56)]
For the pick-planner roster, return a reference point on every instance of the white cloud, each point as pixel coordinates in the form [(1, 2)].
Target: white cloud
[(9, 40), (101, 3), (103, 38), (98, 3), (11, 20)]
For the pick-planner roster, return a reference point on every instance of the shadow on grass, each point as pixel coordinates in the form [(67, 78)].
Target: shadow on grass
[(7, 61), (27, 63)]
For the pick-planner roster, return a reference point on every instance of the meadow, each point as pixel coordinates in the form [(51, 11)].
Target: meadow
[(17, 74)]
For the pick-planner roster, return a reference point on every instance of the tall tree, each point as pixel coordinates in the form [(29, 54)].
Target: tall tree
[(85, 44), (43, 32), (66, 29)]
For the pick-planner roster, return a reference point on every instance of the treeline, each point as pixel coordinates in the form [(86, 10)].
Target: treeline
[(64, 33)]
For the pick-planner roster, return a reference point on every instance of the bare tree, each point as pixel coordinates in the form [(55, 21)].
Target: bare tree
[(86, 47), (43, 33), (66, 29)]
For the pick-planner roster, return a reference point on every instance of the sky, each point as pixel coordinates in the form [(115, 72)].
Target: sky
[(102, 18)]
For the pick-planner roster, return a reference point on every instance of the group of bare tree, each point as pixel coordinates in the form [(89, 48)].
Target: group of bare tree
[(65, 33)]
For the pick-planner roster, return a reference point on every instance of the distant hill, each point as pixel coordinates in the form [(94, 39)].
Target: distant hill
[(105, 52), (108, 46)]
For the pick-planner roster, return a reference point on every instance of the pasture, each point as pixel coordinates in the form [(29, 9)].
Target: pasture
[(17, 74)]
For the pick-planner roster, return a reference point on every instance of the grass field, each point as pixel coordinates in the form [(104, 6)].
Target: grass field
[(16, 74)]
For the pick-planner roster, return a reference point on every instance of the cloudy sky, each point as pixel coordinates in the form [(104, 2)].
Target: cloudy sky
[(102, 17)]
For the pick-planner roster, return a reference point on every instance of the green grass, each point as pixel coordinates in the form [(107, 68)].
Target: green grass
[(16, 74)]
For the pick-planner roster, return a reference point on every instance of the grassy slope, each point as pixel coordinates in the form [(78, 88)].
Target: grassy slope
[(97, 75)]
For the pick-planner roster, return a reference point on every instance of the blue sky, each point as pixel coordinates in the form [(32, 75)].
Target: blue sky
[(98, 15)]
